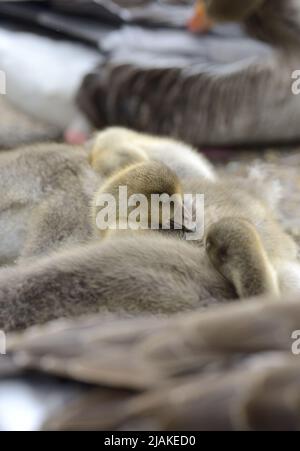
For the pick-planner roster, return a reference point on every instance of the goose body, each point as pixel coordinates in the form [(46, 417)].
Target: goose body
[(252, 200), (48, 188), (132, 273), (156, 273), (233, 368), (224, 96), (43, 187), (129, 275), (223, 199)]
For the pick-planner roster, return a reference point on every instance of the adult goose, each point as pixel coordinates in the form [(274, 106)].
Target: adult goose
[(205, 89)]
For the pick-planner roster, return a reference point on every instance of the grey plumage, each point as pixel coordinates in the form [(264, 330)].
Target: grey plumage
[(153, 273), (133, 274), (150, 274), (46, 191), (48, 188), (200, 96), (231, 369)]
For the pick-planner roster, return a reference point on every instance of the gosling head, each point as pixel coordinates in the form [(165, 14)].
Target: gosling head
[(209, 12), (154, 198), (236, 251), (114, 149)]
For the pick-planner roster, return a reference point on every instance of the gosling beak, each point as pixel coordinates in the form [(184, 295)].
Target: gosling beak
[(200, 22), (185, 228), (189, 224)]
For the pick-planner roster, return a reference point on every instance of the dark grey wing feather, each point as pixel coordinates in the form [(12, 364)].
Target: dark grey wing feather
[(230, 368)]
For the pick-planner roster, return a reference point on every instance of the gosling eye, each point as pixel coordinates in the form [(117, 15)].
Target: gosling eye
[(223, 254)]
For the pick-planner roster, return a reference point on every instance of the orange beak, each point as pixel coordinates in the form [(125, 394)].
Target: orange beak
[(200, 22)]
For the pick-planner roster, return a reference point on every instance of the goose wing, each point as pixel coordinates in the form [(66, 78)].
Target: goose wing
[(230, 368)]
